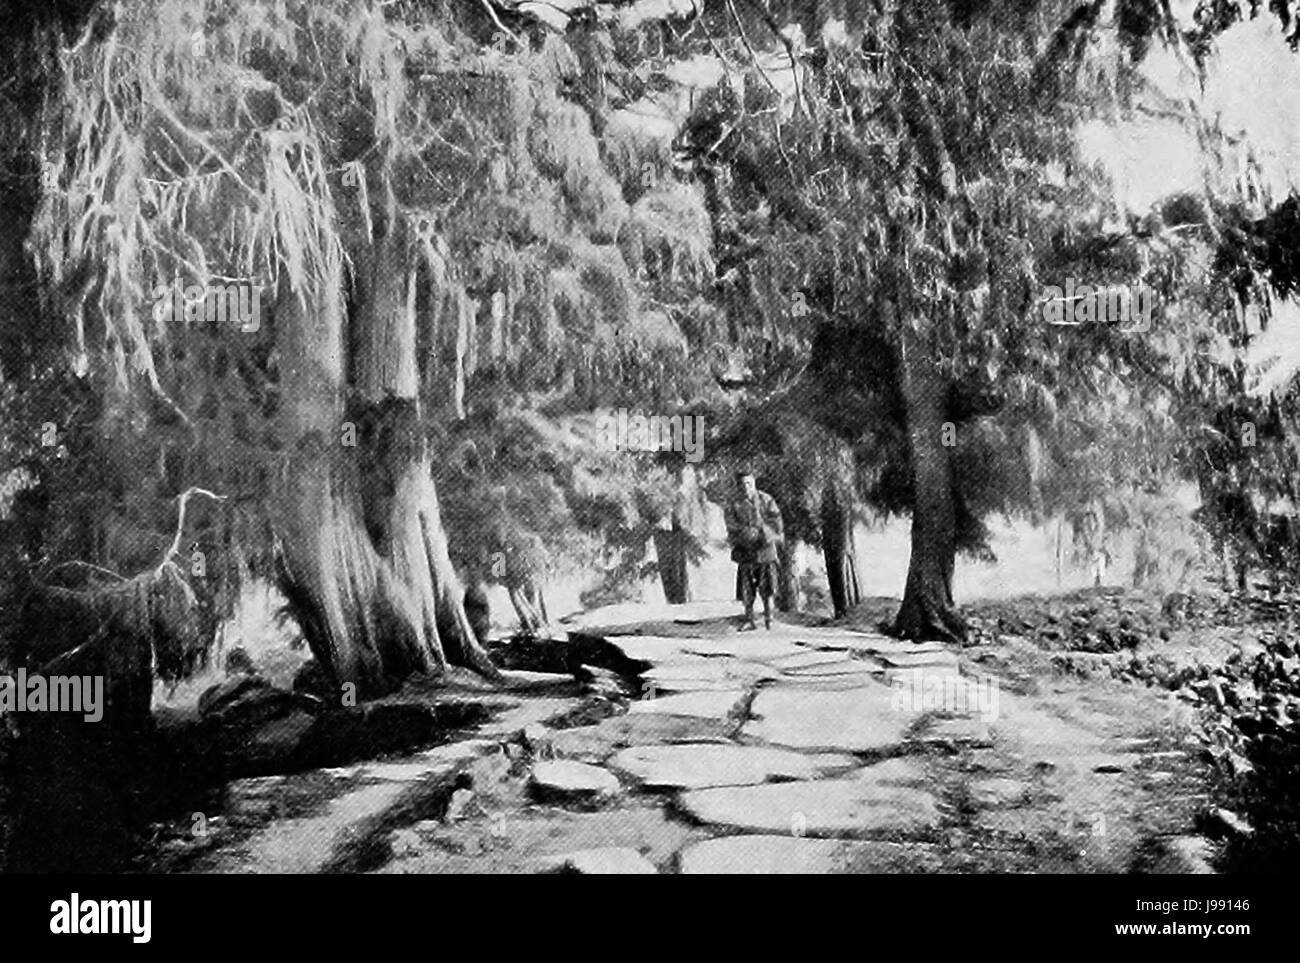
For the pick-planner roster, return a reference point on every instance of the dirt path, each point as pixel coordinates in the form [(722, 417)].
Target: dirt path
[(803, 749)]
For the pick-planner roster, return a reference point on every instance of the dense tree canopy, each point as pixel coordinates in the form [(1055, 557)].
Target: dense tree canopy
[(468, 226)]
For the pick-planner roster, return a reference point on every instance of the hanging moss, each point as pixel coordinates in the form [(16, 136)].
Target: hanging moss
[(272, 142)]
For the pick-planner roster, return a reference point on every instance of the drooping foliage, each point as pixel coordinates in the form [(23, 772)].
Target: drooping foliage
[(931, 161), (188, 144)]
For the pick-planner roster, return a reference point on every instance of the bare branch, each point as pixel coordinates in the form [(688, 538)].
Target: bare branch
[(93, 568), (180, 523), (491, 12)]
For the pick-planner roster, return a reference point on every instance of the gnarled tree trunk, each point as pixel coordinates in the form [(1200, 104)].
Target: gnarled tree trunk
[(928, 611), (363, 554)]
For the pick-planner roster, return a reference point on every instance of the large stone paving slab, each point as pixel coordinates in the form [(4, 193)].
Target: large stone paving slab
[(655, 649), (568, 780), (744, 645), (894, 772), (829, 683), (600, 740), (816, 633), (702, 766), (702, 670), (702, 704), (842, 667), (789, 854), (674, 685), (861, 719), (520, 680), (628, 615), (854, 807), (801, 660)]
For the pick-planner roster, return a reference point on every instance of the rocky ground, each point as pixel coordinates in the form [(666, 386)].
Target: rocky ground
[(668, 742)]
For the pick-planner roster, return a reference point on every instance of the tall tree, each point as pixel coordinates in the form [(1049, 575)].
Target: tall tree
[(918, 185), (418, 197)]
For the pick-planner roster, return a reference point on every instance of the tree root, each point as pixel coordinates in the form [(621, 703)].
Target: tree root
[(926, 620)]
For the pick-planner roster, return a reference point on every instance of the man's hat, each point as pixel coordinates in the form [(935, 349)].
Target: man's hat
[(744, 473)]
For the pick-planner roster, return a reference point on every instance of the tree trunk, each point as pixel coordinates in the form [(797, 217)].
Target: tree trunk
[(529, 618), (1060, 524), (413, 541), (671, 543), (537, 599), (479, 611), (674, 573), (928, 611), (788, 595), (363, 555), (838, 550)]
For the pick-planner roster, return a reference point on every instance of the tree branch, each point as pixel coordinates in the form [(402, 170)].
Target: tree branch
[(491, 12), (180, 524)]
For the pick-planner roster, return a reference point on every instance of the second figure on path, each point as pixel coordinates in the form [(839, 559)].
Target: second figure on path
[(756, 533)]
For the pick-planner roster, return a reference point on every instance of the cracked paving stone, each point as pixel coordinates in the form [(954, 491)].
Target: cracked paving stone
[(804, 659), (704, 671), (566, 779), (646, 728), (851, 720), (854, 807), (828, 683), (651, 648), (707, 765), (703, 704), (747, 645), (845, 667)]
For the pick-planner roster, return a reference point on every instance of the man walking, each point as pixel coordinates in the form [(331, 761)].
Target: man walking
[(755, 531)]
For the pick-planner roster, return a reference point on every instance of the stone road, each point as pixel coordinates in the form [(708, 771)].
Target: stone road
[(799, 750)]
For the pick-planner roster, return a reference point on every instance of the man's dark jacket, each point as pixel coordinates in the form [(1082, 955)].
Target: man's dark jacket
[(754, 528)]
